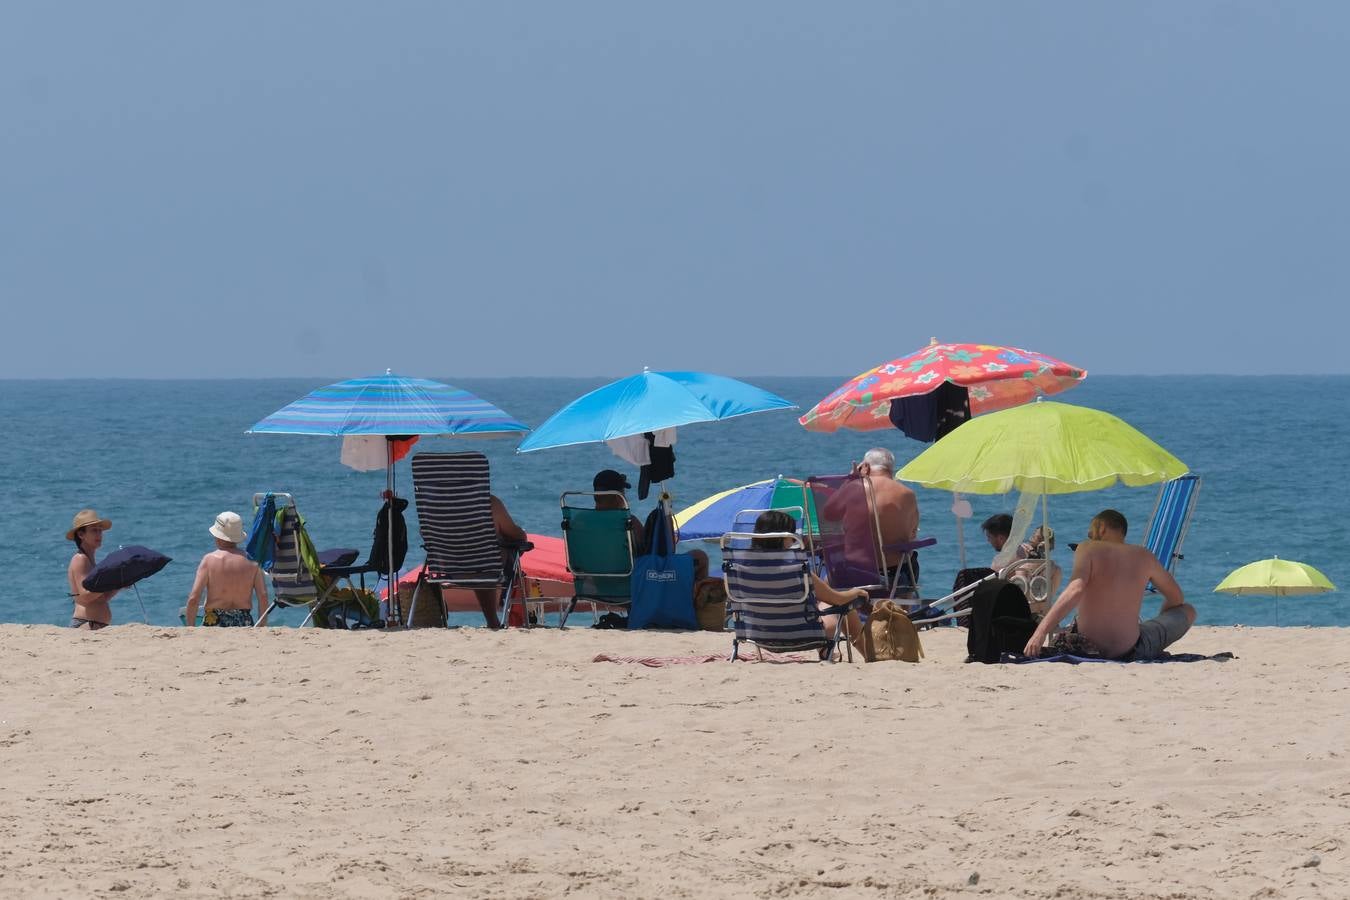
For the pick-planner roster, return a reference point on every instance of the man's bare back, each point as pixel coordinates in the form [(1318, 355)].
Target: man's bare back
[(897, 512), (230, 580), (1107, 589)]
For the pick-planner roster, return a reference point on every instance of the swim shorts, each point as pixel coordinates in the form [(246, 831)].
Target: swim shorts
[(1159, 633), (228, 618)]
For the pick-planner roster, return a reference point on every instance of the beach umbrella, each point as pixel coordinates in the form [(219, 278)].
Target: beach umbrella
[(650, 401), (389, 409), (1275, 578), (714, 516), (123, 568), (930, 391), (1044, 448)]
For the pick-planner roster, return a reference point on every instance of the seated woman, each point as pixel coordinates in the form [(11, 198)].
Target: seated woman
[(776, 521), (92, 611)]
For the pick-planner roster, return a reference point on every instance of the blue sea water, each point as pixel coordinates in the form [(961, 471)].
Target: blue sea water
[(161, 458)]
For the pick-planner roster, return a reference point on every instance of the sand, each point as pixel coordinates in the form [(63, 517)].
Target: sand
[(466, 763)]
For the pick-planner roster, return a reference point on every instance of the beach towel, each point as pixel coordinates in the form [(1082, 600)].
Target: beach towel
[(1075, 660), (661, 662)]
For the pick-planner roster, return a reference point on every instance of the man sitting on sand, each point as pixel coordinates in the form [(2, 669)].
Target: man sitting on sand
[(897, 511), (1107, 588), (229, 578)]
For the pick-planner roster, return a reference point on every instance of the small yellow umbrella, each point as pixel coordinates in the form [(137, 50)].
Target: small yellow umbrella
[(1275, 578)]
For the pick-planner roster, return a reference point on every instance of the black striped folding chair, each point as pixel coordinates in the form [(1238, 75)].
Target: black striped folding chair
[(454, 517)]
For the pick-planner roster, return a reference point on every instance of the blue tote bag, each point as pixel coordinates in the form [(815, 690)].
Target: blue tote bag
[(663, 584)]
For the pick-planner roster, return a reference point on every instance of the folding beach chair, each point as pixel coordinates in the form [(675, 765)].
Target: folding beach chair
[(848, 544), (599, 545), (454, 517), (1171, 520), (771, 602), (339, 564), (280, 543)]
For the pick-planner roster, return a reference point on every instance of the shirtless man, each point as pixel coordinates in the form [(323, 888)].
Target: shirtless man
[(897, 508), (1107, 588), (230, 579)]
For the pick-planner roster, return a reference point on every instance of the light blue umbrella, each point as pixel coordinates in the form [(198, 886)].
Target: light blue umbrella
[(649, 402), (390, 405)]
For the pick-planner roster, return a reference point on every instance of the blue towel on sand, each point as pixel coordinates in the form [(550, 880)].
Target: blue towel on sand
[(1075, 660)]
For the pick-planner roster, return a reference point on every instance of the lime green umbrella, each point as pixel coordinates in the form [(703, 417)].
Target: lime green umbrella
[(1275, 578), (1045, 448)]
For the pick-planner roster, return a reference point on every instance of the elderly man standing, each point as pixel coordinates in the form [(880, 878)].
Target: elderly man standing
[(1107, 588), (228, 578)]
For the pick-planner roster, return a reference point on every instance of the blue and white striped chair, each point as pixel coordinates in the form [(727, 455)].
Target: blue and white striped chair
[(1171, 520), (771, 602)]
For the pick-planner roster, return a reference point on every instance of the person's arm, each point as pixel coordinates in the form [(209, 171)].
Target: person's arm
[(830, 597), (260, 591), (78, 571), (505, 525), (195, 595), (1068, 601), (1167, 586)]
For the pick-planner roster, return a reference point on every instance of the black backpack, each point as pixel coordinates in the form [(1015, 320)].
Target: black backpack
[(1000, 621), (379, 550)]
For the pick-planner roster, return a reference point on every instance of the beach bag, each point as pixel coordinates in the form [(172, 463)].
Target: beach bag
[(663, 584), (710, 604), (890, 635), (1000, 621)]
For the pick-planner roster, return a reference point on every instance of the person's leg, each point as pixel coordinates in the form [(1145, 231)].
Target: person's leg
[(488, 598), (1162, 631), (700, 564)]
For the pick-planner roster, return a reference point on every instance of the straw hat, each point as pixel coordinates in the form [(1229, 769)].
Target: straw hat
[(83, 519), (229, 527)]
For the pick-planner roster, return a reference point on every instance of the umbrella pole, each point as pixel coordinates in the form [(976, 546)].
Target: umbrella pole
[(960, 533), (393, 612), (144, 614)]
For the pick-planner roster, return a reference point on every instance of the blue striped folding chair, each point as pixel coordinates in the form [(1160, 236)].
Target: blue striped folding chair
[(770, 599), (454, 518), (1171, 520)]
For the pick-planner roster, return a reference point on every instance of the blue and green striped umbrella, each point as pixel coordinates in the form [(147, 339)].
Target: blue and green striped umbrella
[(390, 405)]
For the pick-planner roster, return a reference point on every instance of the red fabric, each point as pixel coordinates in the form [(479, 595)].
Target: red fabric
[(401, 448), (547, 562)]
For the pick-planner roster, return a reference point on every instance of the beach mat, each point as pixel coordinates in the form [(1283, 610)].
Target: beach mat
[(661, 662), (1075, 660)]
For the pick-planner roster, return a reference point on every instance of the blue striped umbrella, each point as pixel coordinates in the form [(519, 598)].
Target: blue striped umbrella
[(390, 405)]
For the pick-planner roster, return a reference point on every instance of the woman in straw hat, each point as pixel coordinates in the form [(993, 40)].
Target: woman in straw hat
[(229, 579), (91, 608)]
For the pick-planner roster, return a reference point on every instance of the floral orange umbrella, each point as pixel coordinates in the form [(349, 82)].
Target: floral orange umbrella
[(931, 390)]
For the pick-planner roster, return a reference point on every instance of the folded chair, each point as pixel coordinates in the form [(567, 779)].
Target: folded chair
[(454, 518), (771, 602), (599, 546), (848, 544), (1171, 520), (280, 543)]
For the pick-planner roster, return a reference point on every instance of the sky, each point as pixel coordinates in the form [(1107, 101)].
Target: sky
[(497, 188)]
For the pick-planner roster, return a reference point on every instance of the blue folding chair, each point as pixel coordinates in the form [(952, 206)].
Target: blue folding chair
[(771, 601), (1171, 520)]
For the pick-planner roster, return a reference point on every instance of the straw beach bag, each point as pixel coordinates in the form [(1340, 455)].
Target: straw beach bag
[(890, 635)]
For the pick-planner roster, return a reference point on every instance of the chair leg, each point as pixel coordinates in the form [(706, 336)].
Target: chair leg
[(412, 606), (562, 622), (270, 609)]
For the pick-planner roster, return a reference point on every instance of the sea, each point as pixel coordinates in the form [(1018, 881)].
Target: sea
[(162, 457)]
